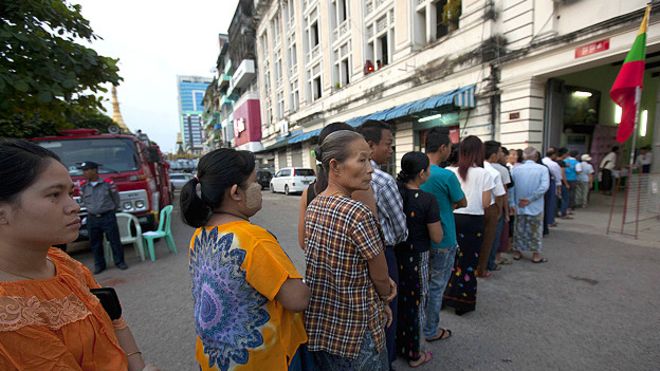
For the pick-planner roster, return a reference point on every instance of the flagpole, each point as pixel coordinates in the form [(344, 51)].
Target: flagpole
[(638, 99)]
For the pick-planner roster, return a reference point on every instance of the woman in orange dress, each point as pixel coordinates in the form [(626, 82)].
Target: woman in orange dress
[(49, 319)]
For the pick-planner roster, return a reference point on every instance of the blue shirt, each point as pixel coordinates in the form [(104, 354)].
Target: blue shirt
[(531, 181), (571, 169), (445, 187)]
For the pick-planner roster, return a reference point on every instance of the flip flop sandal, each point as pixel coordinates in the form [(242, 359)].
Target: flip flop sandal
[(542, 260), (428, 357), (517, 257), (441, 337)]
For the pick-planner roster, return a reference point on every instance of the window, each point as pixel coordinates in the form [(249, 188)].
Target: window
[(293, 59), (304, 172), (314, 33), (378, 49), (285, 172), (440, 29), (264, 45), (280, 105), (342, 67), (267, 80), (383, 54), (345, 72), (276, 29), (289, 13), (343, 11), (316, 88), (278, 68), (420, 26), (295, 97)]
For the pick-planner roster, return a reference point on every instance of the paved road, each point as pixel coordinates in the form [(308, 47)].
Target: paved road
[(593, 306)]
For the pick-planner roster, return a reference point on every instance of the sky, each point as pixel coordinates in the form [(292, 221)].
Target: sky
[(155, 41)]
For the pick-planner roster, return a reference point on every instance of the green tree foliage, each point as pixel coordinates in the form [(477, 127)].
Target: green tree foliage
[(48, 78)]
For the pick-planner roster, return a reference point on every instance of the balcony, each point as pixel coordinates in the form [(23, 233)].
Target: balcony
[(223, 81), (244, 74), (314, 54), (341, 31)]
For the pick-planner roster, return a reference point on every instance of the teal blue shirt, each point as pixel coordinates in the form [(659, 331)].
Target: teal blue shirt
[(446, 188)]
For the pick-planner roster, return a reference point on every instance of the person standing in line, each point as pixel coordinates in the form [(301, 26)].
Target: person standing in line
[(573, 169), (550, 160), (321, 182), (101, 199), (546, 196), (444, 186), (494, 211), (424, 227), (244, 286), (607, 164), (346, 266), (565, 197), (507, 231), (513, 159), (585, 181), (504, 210), (477, 185), (378, 135), (531, 182)]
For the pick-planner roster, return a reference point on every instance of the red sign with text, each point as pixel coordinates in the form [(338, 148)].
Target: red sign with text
[(593, 48)]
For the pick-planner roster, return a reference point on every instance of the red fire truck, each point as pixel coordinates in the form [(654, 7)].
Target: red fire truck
[(132, 162)]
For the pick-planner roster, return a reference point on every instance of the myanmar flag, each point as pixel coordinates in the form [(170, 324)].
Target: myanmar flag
[(627, 88)]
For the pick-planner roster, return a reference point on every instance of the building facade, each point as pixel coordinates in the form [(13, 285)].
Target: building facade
[(239, 112), (500, 69), (191, 90)]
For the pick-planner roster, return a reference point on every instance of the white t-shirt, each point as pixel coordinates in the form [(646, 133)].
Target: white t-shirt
[(554, 168), (497, 178), (609, 161), (478, 181)]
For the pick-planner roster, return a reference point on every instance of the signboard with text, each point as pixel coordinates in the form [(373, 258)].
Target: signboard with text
[(592, 48)]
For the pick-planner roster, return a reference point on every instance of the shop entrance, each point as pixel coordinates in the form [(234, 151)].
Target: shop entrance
[(580, 115)]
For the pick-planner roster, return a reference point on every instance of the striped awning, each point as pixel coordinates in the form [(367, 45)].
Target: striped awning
[(461, 98)]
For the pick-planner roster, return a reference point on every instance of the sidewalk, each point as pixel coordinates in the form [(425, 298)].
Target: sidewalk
[(593, 220)]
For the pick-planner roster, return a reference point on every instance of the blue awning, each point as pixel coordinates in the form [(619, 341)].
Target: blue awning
[(305, 136), (282, 141), (461, 98)]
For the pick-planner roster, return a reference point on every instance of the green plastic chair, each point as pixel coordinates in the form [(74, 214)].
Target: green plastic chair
[(164, 230)]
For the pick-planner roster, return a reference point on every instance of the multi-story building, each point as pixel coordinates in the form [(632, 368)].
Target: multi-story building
[(239, 111), (515, 71), (191, 91), (212, 113)]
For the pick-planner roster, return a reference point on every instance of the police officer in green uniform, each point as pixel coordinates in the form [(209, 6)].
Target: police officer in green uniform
[(101, 199)]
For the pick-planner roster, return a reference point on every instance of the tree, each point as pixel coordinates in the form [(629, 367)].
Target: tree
[(48, 79)]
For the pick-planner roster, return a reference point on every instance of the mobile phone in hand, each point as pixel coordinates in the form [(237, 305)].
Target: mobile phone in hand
[(109, 300)]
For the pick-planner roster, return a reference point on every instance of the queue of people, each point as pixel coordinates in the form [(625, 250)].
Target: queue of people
[(383, 255)]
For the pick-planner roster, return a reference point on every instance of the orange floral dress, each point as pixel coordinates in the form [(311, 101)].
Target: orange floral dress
[(56, 323)]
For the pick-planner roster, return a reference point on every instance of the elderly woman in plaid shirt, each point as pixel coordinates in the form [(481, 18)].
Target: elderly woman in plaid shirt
[(346, 266)]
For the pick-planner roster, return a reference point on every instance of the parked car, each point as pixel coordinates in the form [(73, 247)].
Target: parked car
[(264, 177), (179, 179), (292, 180)]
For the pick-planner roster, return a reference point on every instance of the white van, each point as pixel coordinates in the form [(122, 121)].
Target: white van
[(292, 180)]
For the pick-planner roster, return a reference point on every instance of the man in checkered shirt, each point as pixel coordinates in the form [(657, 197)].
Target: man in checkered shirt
[(378, 135)]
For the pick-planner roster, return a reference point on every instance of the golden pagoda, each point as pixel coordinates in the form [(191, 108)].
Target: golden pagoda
[(116, 114)]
